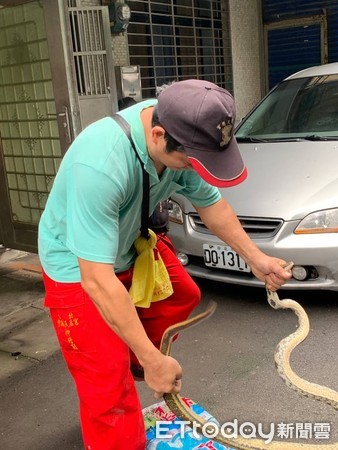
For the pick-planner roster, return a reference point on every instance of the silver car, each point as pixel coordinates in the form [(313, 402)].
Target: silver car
[(289, 202)]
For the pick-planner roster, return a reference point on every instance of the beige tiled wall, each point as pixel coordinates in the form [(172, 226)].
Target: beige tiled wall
[(120, 49)]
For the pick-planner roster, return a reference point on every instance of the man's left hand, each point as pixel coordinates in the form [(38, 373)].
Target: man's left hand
[(271, 270)]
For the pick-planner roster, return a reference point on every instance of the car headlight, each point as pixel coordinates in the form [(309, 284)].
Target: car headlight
[(325, 221), (175, 212)]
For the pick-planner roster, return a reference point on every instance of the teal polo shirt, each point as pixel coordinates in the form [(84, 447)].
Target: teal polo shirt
[(94, 208)]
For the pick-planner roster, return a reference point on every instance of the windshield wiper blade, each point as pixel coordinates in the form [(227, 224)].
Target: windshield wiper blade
[(310, 137), (249, 139), (286, 139), (317, 137)]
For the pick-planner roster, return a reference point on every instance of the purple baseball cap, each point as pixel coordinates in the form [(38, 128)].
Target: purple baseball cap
[(200, 116)]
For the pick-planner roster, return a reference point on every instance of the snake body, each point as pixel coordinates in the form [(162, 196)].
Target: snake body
[(282, 360)]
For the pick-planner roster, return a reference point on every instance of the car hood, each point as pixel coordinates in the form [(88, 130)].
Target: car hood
[(286, 180)]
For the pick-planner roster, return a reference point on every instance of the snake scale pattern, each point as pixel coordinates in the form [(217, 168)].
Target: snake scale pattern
[(282, 360)]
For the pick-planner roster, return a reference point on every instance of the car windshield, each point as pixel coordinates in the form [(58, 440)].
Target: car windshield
[(297, 109)]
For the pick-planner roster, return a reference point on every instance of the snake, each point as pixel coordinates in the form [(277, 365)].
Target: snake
[(282, 361)]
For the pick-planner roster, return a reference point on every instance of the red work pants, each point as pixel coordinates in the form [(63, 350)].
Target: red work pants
[(99, 361)]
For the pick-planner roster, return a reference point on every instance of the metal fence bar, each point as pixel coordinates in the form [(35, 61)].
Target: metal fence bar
[(178, 40), (90, 54)]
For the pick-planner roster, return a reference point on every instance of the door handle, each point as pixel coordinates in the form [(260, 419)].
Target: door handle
[(65, 122)]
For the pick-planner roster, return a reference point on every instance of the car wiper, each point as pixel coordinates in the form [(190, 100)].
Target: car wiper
[(286, 139), (270, 139), (249, 139), (316, 137), (310, 137)]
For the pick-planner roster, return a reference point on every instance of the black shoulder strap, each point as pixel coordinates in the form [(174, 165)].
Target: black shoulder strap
[(145, 199)]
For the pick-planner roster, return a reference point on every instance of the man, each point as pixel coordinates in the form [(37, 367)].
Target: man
[(159, 219), (86, 235)]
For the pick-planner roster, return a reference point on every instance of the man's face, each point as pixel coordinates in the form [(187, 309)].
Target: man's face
[(174, 160)]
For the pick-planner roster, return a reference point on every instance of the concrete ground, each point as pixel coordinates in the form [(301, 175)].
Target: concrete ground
[(29, 354)]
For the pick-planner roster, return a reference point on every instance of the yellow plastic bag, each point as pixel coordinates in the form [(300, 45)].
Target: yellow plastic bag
[(151, 281)]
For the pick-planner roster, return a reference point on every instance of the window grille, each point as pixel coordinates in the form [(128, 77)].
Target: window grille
[(89, 50), (172, 40)]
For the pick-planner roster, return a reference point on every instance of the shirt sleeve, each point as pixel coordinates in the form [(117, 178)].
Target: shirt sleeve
[(93, 214)]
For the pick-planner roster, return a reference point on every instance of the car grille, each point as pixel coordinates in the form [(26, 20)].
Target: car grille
[(255, 227)]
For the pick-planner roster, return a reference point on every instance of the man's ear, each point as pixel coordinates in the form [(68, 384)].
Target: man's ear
[(157, 132)]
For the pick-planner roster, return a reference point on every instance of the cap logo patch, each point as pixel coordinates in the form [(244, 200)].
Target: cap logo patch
[(226, 130)]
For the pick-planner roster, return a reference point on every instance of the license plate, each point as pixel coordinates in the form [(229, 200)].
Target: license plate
[(223, 257)]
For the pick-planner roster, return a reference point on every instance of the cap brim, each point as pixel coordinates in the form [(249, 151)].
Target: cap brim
[(221, 169)]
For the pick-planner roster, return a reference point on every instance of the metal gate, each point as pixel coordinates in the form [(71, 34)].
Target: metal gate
[(93, 62), (298, 34), (35, 128), (51, 86), (295, 44)]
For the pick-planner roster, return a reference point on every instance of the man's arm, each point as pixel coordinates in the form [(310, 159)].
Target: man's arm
[(162, 373), (221, 219)]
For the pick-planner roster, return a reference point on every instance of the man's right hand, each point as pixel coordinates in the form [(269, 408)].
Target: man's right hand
[(163, 375)]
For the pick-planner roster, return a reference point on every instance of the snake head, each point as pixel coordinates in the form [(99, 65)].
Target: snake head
[(273, 299)]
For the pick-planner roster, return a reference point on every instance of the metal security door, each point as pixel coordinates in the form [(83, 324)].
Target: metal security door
[(36, 125), (92, 61), (294, 44)]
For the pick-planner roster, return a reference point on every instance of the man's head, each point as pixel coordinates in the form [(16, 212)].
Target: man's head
[(171, 143), (199, 118)]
